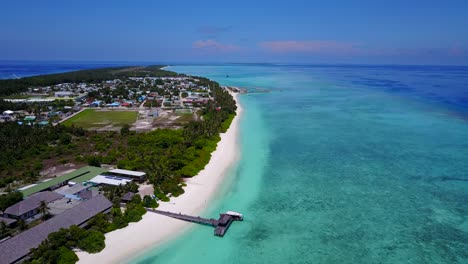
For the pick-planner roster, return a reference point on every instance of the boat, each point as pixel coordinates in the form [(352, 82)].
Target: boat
[(236, 215)]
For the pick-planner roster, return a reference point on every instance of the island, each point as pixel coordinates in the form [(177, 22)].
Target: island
[(85, 153)]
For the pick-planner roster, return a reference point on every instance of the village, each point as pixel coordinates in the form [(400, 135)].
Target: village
[(156, 102), (74, 197)]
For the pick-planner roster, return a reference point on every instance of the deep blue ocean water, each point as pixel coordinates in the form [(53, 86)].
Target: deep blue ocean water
[(341, 164), (18, 69)]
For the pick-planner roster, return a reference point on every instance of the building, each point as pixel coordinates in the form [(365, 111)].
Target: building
[(80, 175), (53, 113), (18, 247), (114, 104), (29, 118), (128, 197), (96, 103), (137, 176), (7, 117), (109, 180), (8, 221), (74, 191), (29, 207)]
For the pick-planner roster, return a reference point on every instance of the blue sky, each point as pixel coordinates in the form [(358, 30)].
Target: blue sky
[(364, 31)]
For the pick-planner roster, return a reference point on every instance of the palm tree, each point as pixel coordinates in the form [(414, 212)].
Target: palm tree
[(43, 209), (22, 225), (3, 228)]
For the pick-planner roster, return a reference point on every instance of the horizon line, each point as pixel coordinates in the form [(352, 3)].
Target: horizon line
[(166, 63)]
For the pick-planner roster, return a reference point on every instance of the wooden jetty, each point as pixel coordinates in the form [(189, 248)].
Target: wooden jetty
[(235, 89), (221, 225)]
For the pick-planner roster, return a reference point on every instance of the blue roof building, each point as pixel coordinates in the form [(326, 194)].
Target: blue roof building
[(96, 103)]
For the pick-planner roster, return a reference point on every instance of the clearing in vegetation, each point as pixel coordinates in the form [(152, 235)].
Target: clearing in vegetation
[(90, 118)]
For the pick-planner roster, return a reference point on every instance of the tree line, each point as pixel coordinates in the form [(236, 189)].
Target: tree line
[(15, 86), (23, 149)]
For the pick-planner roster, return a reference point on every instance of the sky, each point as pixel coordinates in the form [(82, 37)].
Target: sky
[(238, 31)]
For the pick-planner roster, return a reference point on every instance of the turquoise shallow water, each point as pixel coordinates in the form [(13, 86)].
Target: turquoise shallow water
[(341, 165)]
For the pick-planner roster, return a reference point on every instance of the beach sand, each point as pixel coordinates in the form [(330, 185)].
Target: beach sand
[(125, 244)]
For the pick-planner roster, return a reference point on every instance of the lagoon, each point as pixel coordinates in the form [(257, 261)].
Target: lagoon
[(341, 164)]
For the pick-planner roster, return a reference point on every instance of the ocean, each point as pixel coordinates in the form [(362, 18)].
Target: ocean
[(340, 164), (19, 69)]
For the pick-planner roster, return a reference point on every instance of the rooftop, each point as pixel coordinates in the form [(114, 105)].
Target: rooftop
[(32, 203), (109, 180), (29, 118), (79, 175), (20, 245), (61, 205), (72, 190), (128, 196), (7, 221), (86, 195), (128, 172)]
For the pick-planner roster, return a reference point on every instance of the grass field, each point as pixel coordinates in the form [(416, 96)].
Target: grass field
[(96, 119)]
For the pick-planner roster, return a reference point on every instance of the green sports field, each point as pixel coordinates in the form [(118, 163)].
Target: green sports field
[(90, 118)]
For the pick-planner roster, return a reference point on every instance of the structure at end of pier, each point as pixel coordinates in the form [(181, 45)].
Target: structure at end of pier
[(221, 225)]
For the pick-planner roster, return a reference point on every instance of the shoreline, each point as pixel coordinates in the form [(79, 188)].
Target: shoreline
[(153, 230)]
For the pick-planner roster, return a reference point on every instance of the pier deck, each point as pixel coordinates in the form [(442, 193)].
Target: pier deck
[(221, 225), (188, 218)]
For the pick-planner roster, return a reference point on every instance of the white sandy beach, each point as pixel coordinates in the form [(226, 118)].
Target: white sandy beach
[(124, 244)]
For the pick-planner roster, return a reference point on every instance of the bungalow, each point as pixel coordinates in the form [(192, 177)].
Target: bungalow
[(29, 118), (138, 176), (95, 103), (127, 104), (114, 104), (7, 115), (127, 197), (54, 113), (29, 207), (8, 221)]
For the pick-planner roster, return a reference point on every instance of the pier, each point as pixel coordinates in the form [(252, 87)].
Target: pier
[(235, 89), (221, 225)]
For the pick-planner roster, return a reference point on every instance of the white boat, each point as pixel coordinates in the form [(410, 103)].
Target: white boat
[(235, 214)]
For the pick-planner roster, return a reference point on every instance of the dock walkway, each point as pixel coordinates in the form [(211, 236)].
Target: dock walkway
[(221, 225), (188, 218)]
